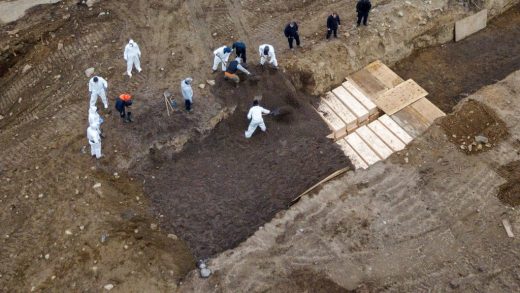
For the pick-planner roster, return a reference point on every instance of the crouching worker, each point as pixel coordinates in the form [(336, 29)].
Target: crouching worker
[(255, 115), (124, 101), (94, 139), (231, 71)]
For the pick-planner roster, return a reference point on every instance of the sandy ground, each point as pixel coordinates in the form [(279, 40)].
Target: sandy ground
[(70, 223)]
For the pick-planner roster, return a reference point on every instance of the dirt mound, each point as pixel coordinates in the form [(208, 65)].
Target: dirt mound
[(218, 191), (509, 192), (475, 128)]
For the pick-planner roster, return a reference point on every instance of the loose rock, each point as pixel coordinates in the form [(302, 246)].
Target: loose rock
[(89, 71), (481, 139), (108, 287)]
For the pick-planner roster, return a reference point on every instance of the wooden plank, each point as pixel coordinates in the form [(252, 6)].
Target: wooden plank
[(361, 97), (354, 105), (411, 121), (384, 74), (368, 83), (400, 96), (356, 160), (470, 25), (336, 125), (427, 109), (362, 149), (374, 142), (341, 110), (508, 228), (395, 129), (387, 136)]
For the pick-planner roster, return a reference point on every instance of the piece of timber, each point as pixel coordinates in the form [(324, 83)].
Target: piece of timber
[(338, 127), (356, 160), (374, 142), (354, 105), (360, 96), (387, 136), (395, 129), (411, 120), (341, 111), (366, 81), (400, 96), (384, 74), (427, 109), (362, 149)]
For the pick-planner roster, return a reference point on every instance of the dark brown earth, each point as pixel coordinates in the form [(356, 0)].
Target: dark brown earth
[(218, 191), (452, 71), (474, 119), (509, 192)]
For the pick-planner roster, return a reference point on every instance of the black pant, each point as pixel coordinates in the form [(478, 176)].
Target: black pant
[(187, 105), (242, 54), (362, 16), (329, 32), (290, 39)]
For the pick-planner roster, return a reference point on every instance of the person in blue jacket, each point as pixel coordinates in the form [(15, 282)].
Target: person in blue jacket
[(291, 32), (333, 22), (240, 51)]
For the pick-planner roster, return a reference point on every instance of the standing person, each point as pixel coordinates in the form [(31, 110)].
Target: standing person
[(132, 55), (94, 140), (291, 32), (267, 54), (233, 68), (363, 8), (333, 23), (187, 93), (124, 101), (240, 51), (255, 115), (97, 86), (94, 118), (221, 56)]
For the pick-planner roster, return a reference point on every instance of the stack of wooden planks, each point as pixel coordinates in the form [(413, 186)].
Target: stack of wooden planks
[(352, 112)]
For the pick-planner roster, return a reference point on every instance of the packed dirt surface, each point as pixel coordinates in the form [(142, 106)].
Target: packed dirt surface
[(218, 191), (431, 223), (510, 191), (453, 71)]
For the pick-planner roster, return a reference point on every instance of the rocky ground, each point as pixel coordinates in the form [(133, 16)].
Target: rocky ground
[(70, 223)]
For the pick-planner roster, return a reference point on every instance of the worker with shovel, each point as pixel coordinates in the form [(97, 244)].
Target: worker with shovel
[(255, 115), (124, 101), (232, 69), (221, 56)]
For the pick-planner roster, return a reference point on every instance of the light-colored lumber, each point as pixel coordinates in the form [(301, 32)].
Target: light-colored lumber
[(427, 109), (354, 105), (374, 142), (362, 149), (508, 228), (411, 121), (400, 96), (470, 25), (356, 160), (325, 180), (351, 87), (384, 74), (336, 125), (395, 129), (341, 110), (387, 136)]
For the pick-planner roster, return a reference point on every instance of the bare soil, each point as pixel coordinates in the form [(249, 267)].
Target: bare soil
[(510, 191), (453, 71)]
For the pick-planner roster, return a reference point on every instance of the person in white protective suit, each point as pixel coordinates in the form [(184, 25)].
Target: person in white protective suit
[(94, 139), (267, 54), (97, 86), (255, 115), (95, 119), (132, 56), (221, 56)]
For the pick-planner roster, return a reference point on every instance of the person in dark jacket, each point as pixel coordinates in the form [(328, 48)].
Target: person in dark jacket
[(240, 51), (122, 102), (291, 32), (232, 69), (363, 8), (333, 23)]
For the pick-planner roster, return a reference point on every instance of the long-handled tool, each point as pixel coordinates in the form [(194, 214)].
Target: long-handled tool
[(169, 101)]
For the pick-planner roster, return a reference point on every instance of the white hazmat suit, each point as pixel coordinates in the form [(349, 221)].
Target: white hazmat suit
[(221, 56), (132, 55), (255, 115), (94, 139), (98, 88), (93, 117), (270, 57)]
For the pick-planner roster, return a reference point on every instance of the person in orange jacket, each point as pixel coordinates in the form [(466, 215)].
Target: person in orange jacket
[(124, 101)]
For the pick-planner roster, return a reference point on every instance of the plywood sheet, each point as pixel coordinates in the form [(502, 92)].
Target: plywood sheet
[(395, 129), (368, 83), (337, 125), (427, 109), (360, 96), (362, 149), (341, 110), (375, 143), (400, 96), (384, 74), (387, 136), (356, 160), (470, 25), (354, 105), (411, 121)]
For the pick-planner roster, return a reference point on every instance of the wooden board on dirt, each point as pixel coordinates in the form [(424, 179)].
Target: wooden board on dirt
[(341, 110), (427, 109), (354, 105), (356, 160), (411, 120), (336, 125), (374, 142), (387, 136), (384, 74), (353, 89), (368, 83), (362, 149), (400, 96), (395, 129)]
